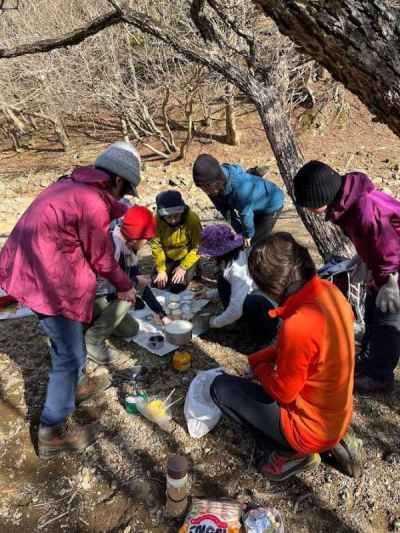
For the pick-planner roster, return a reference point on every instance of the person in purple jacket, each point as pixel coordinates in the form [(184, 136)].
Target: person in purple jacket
[(49, 263), (371, 220)]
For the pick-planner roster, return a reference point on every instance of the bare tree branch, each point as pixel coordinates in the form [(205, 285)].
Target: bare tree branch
[(69, 39), (230, 22)]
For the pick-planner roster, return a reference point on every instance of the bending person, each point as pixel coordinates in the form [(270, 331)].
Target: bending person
[(50, 262), (249, 203), (302, 403), (371, 219), (236, 288)]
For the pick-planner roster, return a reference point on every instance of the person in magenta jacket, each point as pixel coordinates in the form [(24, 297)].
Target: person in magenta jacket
[(371, 220), (49, 263)]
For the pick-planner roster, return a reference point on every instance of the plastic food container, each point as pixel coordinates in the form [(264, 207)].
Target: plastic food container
[(156, 411), (181, 361), (176, 314), (131, 402)]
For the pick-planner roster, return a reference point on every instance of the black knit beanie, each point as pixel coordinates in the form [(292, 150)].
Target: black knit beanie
[(170, 203), (316, 185), (206, 169)]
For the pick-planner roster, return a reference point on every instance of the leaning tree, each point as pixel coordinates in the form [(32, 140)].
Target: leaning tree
[(199, 38)]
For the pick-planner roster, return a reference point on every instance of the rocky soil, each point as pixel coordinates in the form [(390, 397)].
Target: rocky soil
[(118, 484)]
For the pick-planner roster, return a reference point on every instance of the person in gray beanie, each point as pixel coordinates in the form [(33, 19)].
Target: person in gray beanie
[(121, 160), (49, 263)]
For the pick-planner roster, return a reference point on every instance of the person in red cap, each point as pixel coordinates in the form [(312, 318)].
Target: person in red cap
[(111, 315)]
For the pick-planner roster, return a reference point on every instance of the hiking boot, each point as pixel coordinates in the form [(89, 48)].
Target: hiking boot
[(89, 387), (63, 438), (368, 385), (282, 465), (101, 354), (349, 454)]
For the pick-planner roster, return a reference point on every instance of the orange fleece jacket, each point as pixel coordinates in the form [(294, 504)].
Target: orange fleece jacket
[(310, 371)]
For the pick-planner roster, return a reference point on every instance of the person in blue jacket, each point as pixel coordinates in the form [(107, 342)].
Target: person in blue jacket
[(250, 203)]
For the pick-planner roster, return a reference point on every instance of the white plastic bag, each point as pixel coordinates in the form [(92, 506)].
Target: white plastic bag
[(201, 413)]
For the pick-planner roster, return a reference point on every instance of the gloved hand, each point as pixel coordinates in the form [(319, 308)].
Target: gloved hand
[(360, 270), (388, 299)]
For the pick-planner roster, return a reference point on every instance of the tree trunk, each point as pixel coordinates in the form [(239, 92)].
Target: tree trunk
[(267, 99), (356, 40), (61, 133), (329, 239), (232, 134)]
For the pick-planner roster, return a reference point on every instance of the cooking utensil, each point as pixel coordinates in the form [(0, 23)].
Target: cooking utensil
[(156, 342), (179, 332), (201, 320)]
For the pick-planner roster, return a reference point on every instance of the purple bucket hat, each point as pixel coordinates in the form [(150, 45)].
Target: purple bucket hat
[(218, 240)]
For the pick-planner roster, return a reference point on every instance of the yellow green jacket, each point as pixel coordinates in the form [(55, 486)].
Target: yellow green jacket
[(178, 243)]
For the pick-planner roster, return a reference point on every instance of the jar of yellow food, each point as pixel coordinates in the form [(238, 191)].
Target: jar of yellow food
[(181, 361)]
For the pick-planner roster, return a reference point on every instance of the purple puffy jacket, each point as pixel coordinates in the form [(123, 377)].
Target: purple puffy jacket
[(371, 219)]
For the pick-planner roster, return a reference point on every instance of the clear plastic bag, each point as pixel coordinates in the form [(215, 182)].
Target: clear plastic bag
[(201, 413), (263, 520)]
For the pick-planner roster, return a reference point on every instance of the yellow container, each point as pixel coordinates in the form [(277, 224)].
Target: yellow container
[(181, 361)]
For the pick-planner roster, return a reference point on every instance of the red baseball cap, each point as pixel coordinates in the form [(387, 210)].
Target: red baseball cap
[(139, 223)]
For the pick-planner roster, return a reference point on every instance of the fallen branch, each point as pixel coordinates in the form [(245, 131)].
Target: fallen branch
[(41, 526)]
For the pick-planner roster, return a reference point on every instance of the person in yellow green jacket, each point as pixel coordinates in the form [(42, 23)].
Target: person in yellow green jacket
[(175, 248)]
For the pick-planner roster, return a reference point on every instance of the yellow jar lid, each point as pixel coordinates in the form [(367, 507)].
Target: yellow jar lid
[(181, 360)]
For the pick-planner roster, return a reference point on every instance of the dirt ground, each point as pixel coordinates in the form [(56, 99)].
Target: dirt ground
[(118, 484)]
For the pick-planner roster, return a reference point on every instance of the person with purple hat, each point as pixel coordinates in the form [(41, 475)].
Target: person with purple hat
[(236, 288)]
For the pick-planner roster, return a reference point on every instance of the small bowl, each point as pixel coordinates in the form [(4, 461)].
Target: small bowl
[(156, 342)]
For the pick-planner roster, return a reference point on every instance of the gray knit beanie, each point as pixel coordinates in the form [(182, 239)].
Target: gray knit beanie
[(122, 159)]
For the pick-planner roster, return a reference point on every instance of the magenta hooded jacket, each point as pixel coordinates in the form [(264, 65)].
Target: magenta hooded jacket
[(50, 260), (371, 220)]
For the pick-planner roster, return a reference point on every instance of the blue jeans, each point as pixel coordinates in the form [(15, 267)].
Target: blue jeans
[(381, 343), (68, 359)]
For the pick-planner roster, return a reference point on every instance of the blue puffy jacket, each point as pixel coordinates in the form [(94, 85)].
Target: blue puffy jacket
[(246, 196)]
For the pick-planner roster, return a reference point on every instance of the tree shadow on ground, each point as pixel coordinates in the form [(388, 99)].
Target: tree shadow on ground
[(218, 465)]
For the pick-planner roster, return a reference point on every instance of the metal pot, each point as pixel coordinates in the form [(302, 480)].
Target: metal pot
[(179, 332), (201, 321)]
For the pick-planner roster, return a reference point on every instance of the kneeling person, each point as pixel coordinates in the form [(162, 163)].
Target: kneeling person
[(110, 314), (303, 402), (175, 248), (236, 289)]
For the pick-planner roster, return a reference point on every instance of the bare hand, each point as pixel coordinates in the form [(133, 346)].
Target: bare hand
[(247, 242), (165, 320), (178, 275), (143, 281), (128, 296), (161, 280)]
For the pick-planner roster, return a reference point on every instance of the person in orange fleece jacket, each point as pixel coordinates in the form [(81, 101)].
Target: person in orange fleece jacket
[(303, 402)]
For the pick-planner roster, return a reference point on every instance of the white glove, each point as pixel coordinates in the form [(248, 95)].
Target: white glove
[(359, 269), (388, 299)]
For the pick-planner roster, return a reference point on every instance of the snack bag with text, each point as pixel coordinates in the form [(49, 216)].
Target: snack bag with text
[(212, 516)]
